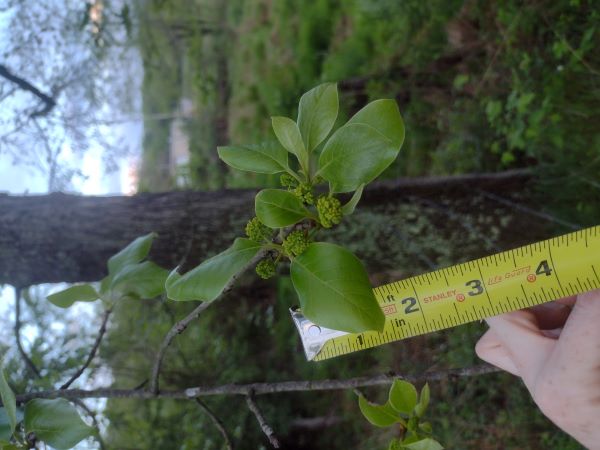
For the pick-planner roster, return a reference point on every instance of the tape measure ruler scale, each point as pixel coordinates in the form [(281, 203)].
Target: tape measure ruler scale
[(515, 279)]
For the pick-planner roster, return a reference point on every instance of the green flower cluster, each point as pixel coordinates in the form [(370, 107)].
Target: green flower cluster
[(257, 231), (295, 243), (304, 192), (288, 181), (330, 211), (265, 268)]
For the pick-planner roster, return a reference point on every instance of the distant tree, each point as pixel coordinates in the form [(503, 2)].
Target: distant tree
[(62, 77)]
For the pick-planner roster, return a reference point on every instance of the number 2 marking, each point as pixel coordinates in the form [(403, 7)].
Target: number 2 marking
[(412, 305)]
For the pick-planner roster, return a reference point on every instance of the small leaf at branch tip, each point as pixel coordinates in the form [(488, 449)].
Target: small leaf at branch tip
[(269, 158), (75, 293), (349, 207), (317, 113), (134, 252), (403, 396), (379, 415), (277, 208)]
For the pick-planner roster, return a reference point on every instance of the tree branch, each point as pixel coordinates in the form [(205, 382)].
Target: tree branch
[(95, 423), (217, 422), (49, 102), (264, 426), (28, 362), (92, 352), (263, 388), (181, 326)]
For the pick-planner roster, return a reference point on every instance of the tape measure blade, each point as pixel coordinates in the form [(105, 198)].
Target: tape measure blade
[(467, 292)]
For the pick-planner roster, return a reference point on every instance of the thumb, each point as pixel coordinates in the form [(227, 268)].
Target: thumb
[(523, 343)]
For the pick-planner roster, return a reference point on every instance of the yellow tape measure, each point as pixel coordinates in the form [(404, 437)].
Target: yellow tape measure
[(507, 281)]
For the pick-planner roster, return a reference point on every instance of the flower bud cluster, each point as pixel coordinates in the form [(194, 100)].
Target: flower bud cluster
[(304, 193), (266, 268), (330, 211), (288, 181), (257, 231), (295, 243)]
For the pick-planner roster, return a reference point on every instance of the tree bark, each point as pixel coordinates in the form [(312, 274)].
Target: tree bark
[(68, 238)]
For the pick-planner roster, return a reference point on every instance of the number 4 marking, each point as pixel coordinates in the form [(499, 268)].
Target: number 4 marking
[(543, 268)]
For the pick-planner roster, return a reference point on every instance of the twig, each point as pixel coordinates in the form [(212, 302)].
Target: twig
[(217, 422), (92, 352), (30, 365), (263, 388), (264, 426), (92, 415), (180, 326)]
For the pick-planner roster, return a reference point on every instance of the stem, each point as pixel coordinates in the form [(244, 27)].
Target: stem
[(92, 352), (262, 422), (28, 362), (181, 326), (217, 423), (264, 388)]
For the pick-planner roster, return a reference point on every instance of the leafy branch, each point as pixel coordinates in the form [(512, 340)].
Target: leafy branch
[(332, 284)]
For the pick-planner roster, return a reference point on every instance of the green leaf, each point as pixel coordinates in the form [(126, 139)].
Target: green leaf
[(288, 133), (76, 293), (9, 401), (207, 281), (263, 158), (334, 289), (144, 280), (317, 113), (6, 429), (135, 252), (349, 207), (423, 444), (423, 401), (378, 415), (425, 427), (359, 151), (277, 208), (403, 396), (356, 154), (55, 422), (384, 116)]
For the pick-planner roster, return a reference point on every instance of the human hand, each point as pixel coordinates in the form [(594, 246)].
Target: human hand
[(556, 351)]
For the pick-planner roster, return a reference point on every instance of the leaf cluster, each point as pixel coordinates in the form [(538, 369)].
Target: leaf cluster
[(332, 284), (129, 276), (406, 408)]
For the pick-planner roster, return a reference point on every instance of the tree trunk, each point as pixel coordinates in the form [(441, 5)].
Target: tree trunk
[(68, 238)]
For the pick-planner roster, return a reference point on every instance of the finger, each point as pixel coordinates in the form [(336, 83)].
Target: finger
[(490, 349), (579, 343), (567, 301), (526, 344)]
